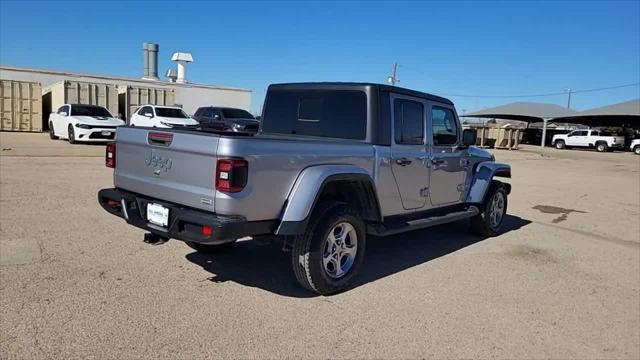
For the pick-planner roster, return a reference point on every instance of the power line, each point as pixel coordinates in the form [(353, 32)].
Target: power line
[(541, 95)]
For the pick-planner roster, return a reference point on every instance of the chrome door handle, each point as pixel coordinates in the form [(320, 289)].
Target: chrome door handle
[(403, 161)]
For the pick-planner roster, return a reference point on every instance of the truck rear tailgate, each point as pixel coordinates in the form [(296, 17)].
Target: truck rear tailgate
[(174, 166)]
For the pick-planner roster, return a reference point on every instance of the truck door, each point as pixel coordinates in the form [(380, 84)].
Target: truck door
[(449, 163), (408, 151), (577, 138)]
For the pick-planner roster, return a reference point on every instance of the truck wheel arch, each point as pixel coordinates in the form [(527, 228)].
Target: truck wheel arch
[(483, 176), (346, 183)]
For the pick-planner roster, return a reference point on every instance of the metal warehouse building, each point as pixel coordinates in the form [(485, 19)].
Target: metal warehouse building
[(29, 95), (189, 95)]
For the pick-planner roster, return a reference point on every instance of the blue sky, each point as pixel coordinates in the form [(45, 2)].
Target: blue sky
[(476, 48)]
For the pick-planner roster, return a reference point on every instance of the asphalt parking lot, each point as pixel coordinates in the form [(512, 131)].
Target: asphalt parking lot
[(562, 282)]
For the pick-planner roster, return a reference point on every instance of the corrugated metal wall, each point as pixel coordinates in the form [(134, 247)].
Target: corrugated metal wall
[(75, 92), (136, 96), (20, 106)]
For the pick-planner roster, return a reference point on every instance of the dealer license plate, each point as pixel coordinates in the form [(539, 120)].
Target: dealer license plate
[(157, 214), (106, 133)]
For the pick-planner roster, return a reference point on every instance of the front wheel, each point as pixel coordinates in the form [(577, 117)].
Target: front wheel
[(560, 144), (601, 147), (52, 133), (636, 150), (72, 135), (492, 212), (330, 252)]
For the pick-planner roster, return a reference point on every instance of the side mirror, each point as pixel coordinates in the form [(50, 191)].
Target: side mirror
[(64, 113), (216, 117), (469, 137), (149, 115)]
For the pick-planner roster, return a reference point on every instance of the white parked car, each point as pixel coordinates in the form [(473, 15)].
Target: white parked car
[(589, 139), (162, 117), (83, 123), (635, 146)]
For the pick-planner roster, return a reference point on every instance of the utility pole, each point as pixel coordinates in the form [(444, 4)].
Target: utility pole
[(568, 90), (393, 79)]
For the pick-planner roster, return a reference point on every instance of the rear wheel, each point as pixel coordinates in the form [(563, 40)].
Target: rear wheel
[(330, 252), (52, 134), (560, 144), (492, 212), (72, 135), (601, 147), (210, 249)]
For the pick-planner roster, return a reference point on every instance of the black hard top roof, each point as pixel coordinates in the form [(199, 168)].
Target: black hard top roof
[(353, 85)]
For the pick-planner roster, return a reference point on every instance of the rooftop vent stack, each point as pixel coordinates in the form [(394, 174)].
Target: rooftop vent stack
[(145, 60), (152, 50), (182, 59), (172, 75)]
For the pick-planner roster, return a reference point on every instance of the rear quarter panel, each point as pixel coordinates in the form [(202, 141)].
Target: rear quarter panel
[(274, 166)]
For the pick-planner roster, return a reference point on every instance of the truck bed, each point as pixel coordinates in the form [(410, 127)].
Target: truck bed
[(179, 166)]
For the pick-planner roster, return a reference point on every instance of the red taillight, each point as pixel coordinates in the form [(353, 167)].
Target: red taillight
[(207, 230), (231, 175), (110, 156)]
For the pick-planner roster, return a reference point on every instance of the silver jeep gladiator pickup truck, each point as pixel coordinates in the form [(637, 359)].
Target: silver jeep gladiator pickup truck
[(332, 164)]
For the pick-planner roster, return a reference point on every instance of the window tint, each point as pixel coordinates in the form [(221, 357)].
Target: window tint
[(236, 114), (88, 110), (171, 113), (595, 133), (444, 126), (408, 122), (208, 112), (63, 109), (324, 113), (580, 133)]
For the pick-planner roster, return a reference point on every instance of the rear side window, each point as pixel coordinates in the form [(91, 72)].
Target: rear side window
[(595, 133), (444, 126), (323, 113), (408, 122)]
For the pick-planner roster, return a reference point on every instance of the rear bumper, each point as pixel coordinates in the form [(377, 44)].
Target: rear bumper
[(184, 223)]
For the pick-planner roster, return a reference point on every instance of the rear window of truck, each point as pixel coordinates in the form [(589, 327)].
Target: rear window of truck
[(322, 113)]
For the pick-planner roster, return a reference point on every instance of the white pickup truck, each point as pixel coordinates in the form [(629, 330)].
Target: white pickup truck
[(635, 146), (589, 139)]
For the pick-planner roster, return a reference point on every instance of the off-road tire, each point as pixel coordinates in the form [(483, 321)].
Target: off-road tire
[(52, 134), (71, 135), (601, 147), (636, 149), (481, 224), (210, 249), (560, 144), (307, 251)]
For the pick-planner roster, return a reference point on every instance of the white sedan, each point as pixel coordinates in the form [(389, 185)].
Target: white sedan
[(83, 123), (162, 117)]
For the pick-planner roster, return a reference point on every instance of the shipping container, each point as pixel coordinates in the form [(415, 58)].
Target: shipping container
[(20, 106), (132, 97), (76, 92)]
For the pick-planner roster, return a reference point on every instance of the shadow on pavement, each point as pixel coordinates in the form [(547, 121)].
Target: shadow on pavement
[(269, 268)]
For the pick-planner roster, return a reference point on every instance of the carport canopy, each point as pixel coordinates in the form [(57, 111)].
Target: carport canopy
[(621, 114), (525, 111)]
